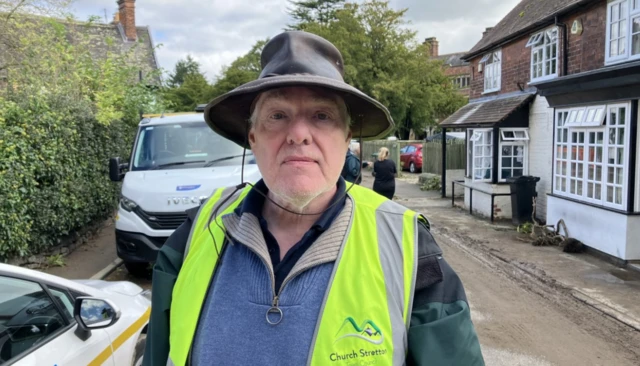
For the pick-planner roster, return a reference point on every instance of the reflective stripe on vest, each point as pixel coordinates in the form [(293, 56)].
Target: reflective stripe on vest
[(366, 311)]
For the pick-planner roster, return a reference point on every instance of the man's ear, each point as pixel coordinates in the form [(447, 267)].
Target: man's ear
[(349, 135), (252, 137)]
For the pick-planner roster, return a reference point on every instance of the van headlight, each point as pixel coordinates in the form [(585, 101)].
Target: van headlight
[(127, 204)]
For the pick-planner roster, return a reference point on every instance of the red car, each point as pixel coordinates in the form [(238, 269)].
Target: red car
[(411, 157)]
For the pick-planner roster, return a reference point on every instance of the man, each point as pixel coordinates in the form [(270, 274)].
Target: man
[(352, 166), (303, 268)]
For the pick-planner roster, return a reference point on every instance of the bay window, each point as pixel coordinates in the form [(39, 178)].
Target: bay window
[(591, 154), (623, 31), (544, 54), (512, 153)]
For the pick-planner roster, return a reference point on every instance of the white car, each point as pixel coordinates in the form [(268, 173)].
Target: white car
[(47, 320)]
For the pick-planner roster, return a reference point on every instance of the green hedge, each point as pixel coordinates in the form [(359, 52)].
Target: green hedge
[(54, 171)]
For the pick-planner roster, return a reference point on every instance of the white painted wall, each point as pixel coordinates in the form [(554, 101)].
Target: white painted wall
[(637, 189), (541, 150), (454, 174), (482, 202), (606, 231)]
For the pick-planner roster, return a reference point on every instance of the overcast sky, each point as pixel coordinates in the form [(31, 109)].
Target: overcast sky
[(215, 32)]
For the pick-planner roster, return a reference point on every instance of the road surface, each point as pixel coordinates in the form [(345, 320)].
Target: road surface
[(517, 326)]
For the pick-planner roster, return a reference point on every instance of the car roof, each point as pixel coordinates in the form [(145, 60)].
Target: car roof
[(30, 274), (172, 118)]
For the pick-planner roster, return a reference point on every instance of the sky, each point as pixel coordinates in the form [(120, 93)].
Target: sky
[(216, 32)]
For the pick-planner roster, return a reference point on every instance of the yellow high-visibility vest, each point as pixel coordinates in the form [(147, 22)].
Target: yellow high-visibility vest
[(367, 309)]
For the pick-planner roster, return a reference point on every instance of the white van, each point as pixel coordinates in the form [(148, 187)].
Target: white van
[(177, 161)]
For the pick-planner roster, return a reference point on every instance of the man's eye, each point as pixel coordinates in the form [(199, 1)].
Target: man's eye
[(277, 116), (323, 116)]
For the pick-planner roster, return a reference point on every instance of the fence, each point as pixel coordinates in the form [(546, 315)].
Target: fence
[(432, 156), (370, 148)]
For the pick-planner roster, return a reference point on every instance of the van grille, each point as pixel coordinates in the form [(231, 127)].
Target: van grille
[(162, 220)]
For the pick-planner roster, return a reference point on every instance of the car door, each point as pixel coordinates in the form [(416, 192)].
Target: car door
[(407, 156), (37, 327)]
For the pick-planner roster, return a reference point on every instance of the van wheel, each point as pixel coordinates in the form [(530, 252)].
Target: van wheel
[(139, 269), (139, 352)]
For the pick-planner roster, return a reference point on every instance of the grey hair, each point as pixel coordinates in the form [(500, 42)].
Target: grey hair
[(343, 108)]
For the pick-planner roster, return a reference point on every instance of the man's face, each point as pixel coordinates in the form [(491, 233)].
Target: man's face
[(299, 138)]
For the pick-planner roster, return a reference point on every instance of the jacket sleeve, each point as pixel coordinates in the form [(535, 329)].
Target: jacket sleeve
[(165, 273), (354, 166), (441, 331)]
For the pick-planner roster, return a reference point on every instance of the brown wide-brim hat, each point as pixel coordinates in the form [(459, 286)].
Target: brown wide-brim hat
[(297, 58)]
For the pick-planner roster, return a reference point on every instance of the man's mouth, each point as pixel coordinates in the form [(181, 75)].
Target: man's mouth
[(298, 159)]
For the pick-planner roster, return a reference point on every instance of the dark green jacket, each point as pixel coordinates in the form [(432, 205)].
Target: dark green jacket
[(441, 332)]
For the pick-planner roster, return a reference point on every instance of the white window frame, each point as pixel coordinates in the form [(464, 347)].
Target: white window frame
[(523, 132), (522, 140), (625, 11), (589, 116), (565, 165), (543, 43), (492, 71), (476, 135)]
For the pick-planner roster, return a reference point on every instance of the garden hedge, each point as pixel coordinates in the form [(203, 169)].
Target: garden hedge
[(54, 171)]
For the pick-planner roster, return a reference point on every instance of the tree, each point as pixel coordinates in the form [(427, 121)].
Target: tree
[(320, 12), (181, 70), (194, 90), (383, 59), (242, 70), (186, 87)]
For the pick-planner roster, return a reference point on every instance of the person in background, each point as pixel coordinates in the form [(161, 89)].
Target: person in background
[(352, 166), (385, 173)]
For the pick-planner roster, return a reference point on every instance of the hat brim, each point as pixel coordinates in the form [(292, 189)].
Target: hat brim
[(228, 115)]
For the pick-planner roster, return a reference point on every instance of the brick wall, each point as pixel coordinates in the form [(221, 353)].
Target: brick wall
[(516, 67), (586, 51), (458, 70)]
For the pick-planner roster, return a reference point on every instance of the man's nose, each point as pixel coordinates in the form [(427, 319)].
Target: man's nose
[(299, 131)]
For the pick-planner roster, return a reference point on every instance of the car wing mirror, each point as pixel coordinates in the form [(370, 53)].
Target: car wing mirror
[(91, 313)]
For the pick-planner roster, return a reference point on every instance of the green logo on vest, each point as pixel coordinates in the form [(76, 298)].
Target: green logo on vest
[(368, 331)]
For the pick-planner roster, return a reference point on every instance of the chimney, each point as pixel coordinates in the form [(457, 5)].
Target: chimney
[(487, 30), (433, 46), (127, 17)]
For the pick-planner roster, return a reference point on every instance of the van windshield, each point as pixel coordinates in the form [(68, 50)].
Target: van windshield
[(184, 145)]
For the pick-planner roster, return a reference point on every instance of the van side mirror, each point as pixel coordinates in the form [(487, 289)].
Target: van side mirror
[(116, 169)]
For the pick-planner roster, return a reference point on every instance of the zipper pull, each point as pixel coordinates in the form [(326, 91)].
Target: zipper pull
[(275, 310)]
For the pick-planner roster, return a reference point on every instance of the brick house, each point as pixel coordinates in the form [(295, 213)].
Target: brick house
[(455, 67), (554, 94)]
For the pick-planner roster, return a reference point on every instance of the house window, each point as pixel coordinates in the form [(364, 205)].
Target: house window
[(461, 82), (544, 54), (591, 154), (492, 71), (623, 31), (481, 151), (513, 153)]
